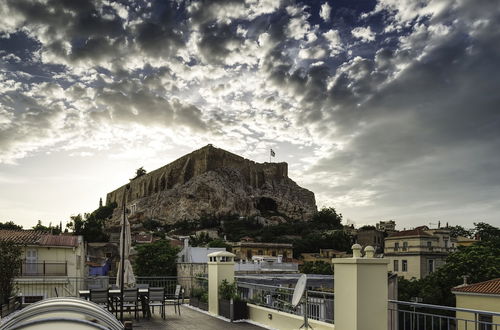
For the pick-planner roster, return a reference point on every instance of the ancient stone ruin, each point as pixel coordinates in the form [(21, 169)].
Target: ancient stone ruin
[(214, 182)]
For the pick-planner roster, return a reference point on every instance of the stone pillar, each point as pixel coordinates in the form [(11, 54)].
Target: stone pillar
[(360, 291), (220, 267)]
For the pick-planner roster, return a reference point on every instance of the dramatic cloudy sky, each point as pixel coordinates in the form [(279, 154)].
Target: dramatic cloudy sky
[(385, 109)]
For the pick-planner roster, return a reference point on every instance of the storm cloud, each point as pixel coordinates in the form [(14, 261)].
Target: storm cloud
[(390, 107)]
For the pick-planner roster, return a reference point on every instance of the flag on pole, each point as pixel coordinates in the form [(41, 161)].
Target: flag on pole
[(272, 153)]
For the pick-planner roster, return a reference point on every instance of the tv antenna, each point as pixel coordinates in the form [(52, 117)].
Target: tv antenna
[(298, 296)]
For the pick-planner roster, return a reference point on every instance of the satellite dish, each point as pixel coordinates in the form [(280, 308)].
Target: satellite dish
[(298, 292)]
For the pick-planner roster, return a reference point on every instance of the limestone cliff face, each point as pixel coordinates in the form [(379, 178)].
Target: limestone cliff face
[(214, 182)]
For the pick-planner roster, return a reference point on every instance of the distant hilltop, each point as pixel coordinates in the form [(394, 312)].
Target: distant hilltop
[(214, 182)]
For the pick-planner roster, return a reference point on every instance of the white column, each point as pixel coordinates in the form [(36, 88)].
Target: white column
[(360, 291), (220, 267)]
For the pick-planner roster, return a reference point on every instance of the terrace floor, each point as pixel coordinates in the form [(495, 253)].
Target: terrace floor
[(190, 319)]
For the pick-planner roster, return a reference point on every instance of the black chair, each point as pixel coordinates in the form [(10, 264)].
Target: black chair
[(100, 297), (157, 299), (175, 299), (130, 301)]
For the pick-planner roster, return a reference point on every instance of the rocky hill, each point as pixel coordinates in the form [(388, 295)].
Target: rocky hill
[(214, 182)]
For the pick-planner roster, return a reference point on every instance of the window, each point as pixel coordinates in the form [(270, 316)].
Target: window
[(249, 254), (430, 265), (273, 253), (405, 246), (396, 246), (396, 265), (485, 322), (429, 245), (404, 265), (32, 262), (446, 243)]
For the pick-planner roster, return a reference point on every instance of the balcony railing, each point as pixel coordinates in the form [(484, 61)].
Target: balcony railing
[(319, 303), (404, 315), (44, 268), (32, 289), (266, 266)]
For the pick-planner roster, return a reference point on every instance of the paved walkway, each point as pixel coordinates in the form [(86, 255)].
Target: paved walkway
[(190, 319)]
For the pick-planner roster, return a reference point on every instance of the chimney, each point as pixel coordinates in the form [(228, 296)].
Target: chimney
[(465, 277)]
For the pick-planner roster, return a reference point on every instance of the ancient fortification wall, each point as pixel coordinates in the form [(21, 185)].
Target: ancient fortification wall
[(194, 164)]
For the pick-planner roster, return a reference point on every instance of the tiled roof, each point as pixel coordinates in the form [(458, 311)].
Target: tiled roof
[(419, 231), (29, 237), (487, 287), (54, 240), (34, 237)]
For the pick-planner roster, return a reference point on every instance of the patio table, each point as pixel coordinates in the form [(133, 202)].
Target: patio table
[(115, 293)]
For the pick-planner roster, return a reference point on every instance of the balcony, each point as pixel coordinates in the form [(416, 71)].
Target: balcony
[(44, 268)]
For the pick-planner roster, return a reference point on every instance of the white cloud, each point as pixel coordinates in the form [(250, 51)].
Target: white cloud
[(364, 33), (325, 11), (334, 41), (298, 27)]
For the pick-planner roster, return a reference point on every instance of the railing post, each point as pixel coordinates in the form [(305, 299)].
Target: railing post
[(220, 267), (361, 291)]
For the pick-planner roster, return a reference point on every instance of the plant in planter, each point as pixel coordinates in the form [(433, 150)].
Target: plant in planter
[(196, 294), (203, 304), (228, 292)]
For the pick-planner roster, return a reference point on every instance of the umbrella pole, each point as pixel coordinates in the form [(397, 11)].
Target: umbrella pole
[(122, 259)]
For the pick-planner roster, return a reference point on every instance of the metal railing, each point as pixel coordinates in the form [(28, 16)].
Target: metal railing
[(44, 268), (405, 315), (319, 303), (266, 266), (34, 289)]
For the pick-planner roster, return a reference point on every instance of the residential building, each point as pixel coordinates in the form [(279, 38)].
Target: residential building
[(192, 262), (465, 241), (418, 252), (46, 259), (372, 237), (143, 238), (483, 296), (387, 226), (192, 254), (324, 255), (246, 250), (102, 257)]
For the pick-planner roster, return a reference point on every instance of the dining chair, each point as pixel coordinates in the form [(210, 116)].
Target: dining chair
[(131, 300), (157, 299), (100, 297), (175, 299)]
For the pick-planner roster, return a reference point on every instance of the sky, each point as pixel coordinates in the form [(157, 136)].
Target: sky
[(385, 109)]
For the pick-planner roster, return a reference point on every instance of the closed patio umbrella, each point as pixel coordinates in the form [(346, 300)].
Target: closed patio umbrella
[(125, 239)]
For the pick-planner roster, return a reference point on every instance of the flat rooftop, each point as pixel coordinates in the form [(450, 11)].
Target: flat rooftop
[(190, 319)]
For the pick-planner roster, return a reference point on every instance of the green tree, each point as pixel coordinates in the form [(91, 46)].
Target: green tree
[(219, 243), (327, 218), (479, 262), (55, 230), (316, 267), (139, 172), (201, 239), (456, 231), (486, 231), (10, 225), (156, 259), (10, 261), (91, 225)]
